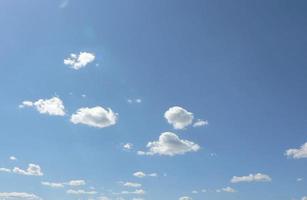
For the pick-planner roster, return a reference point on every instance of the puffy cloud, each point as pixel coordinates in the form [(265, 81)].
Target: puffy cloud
[(131, 184), (226, 189), (251, 178), (32, 170), (95, 117), (141, 174), (185, 198), (194, 192), (297, 153), (78, 192), (79, 61), (304, 198), (53, 106), (53, 185), (5, 170), (200, 123), (18, 195), (299, 179), (103, 198), (178, 117), (170, 144)]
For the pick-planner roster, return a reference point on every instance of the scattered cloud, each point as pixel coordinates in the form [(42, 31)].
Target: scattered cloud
[(304, 198), (18, 195), (185, 198), (170, 144), (79, 192), (132, 184), (251, 178), (128, 146), (53, 185), (134, 101), (64, 4), (138, 192), (13, 158), (194, 192), (76, 183), (178, 117), (297, 153), (200, 123), (53, 106), (299, 179), (32, 170), (5, 170), (79, 61), (141, 174), (226, 189), (98, 117)]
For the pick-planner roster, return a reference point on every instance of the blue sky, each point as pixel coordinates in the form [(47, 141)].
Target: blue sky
[(153, 100)]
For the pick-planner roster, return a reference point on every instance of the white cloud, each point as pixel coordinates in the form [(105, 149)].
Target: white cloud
[(5, 170), (304, 198), (13, 158), (297, 153), (53, 185), (18, 195), (251, 178), (79, 61), (178, 117), (76, 183), (194, 192), (134, 101), (78, 192), (131, 184), (141, 174), (185, 198), (128, 146), (170, 144), (53, 106), (226, 189), (32, 170), (200, 123), (95, 117), (299, 179), (138, 192), (103, 198)]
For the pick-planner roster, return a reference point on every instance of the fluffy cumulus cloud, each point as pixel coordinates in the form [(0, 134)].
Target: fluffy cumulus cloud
[(80, 192), (200, 123), (141, 174), (185, 198), (32, 170), (178, 117), (127, 146), (13, 158), (170, 144), (18, 195), (251, 178), (79, 61), (297, 153), (96, 117), (52, 106), (5, 170), (76, 183)]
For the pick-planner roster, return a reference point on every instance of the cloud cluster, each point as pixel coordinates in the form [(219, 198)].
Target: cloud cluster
[(297, 153), (185, 198), (32, 170), (251, 178), (98, 117), (200, 123), (79, 61), (18, 195), (226, 189), (170, 144), (132, 184), (80, 192), (52, 106)]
